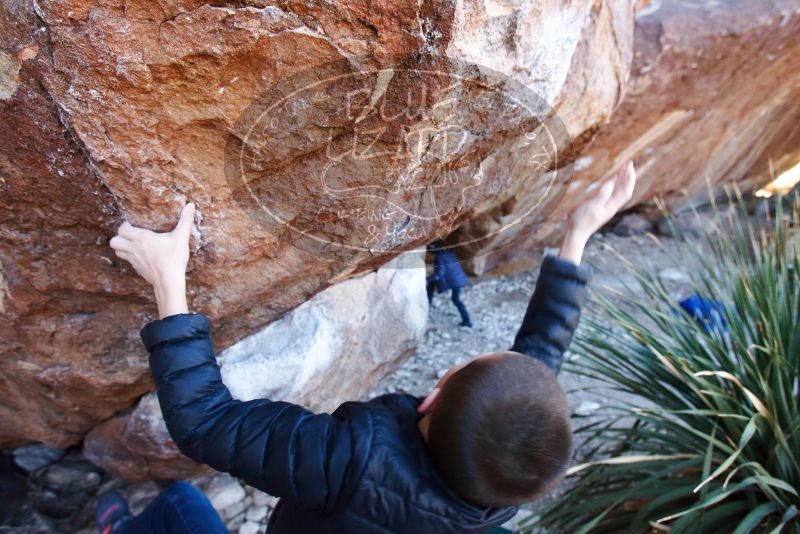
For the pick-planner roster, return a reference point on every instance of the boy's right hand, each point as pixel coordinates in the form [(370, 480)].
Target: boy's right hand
[(159, 258)]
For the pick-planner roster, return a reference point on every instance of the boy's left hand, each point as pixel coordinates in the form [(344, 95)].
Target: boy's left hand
[(610, 197), (590, 216)]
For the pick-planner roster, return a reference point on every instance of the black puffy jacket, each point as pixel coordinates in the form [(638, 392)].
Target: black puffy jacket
[(362, 469)]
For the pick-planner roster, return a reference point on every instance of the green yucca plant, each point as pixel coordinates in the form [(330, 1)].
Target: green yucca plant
[(705, 433)]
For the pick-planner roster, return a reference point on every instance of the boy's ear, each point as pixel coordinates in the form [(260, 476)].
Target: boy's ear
[(429, 401)]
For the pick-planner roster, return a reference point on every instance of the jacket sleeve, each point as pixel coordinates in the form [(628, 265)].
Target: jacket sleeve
[(553, 312), (278, 447)]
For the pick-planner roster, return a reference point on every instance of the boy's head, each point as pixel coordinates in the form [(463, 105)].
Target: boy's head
[(498, 430)]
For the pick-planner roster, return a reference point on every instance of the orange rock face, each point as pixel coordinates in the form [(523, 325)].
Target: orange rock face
[(125, 110)]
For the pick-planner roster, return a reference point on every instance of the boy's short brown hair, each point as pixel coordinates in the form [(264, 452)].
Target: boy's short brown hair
[(500, 433)]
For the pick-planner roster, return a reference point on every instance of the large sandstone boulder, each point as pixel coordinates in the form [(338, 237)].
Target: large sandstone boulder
[(712, 99), (329, 350), (124, 110)]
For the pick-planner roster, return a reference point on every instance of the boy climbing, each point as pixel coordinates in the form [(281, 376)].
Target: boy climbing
[(493, 434)]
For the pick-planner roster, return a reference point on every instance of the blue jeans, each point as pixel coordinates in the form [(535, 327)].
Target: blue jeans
[(462, 310), (455, 296), (179, 509)]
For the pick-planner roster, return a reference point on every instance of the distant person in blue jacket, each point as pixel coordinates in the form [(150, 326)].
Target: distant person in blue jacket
[(448, 275), (493, 434)]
